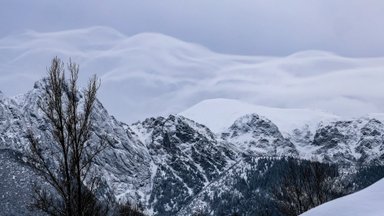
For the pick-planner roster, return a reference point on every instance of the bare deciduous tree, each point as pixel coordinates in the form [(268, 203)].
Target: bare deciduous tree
[(65, 162)]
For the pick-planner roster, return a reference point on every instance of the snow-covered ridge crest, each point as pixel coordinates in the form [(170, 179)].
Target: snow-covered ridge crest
[(310, 134), (219, 114), (258, 136)]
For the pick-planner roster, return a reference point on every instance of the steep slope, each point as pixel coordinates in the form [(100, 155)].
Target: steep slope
[(124, 167), (257, 136), (250, 187), (367, 202), (16, 180), (179, 154), (186, 157), (358, 141)]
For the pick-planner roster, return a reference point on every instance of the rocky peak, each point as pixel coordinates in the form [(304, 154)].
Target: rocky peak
[(40, 84), (253, 124), (186, 157), (257, 136), (124, 166), (176, 129), (358, 141)]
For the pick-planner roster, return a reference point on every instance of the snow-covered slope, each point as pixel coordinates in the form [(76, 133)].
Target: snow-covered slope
[(350, 141), (297, 125), (257, 136), (309, 133), (170, 163), (367, 202), (219, 114), (128, 154), (154, 74), (143, 160), (185, 158), (16, 180)]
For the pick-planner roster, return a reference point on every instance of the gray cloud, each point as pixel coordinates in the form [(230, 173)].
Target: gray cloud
[(257, 27), (153, 74)]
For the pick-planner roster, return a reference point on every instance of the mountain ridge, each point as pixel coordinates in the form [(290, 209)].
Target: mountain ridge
[(164, 163)]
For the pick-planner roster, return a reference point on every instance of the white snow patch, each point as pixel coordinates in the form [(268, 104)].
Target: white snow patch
[(367, 202)]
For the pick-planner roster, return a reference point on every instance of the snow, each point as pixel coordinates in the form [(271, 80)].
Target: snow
[(367, 202), (377, 116), (219, 114)]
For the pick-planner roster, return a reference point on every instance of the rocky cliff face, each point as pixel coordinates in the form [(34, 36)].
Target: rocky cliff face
[(173, 165), (257, 136), (353, 142), (123, 167), (16, 184), (185, 158)]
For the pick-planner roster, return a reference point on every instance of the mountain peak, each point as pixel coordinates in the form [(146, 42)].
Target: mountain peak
[(252, 122), (40, 84), (256, 135), (218, 114)]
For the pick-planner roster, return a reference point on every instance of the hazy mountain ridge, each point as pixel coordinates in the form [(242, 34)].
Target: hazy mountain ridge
[(169, 163)]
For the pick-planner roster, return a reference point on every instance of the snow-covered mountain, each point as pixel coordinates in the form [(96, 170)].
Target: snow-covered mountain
[(367, 202), (219, 114), (129, 155), (173, 165), (257, 136), (144, 160), (312, 134)]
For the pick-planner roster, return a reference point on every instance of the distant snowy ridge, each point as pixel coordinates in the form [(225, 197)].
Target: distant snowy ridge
[(312, 134), (219, 114), (367, 202)]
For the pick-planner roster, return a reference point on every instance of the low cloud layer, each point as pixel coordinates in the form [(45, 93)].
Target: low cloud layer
[(153, 74), (253, 27)]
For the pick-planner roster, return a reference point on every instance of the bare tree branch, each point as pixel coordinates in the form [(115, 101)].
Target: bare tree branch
[(65, 162)]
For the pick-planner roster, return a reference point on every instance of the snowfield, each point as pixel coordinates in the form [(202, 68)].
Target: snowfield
[(367, 202), (219, 114)]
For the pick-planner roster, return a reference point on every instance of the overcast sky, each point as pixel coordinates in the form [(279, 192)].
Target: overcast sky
[(256, 27), (152, 74)]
